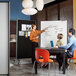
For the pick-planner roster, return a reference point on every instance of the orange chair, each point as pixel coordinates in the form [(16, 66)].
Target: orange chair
[(45, 56), (74, 55)]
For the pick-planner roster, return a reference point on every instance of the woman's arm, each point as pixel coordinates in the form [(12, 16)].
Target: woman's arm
[(70, 42), (57, 43), (39, 32), (61, 43)]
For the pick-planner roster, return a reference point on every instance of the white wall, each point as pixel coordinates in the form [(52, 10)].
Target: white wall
[(3, 38)]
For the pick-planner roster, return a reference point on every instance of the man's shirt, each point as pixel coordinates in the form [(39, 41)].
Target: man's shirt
[(71, 45)]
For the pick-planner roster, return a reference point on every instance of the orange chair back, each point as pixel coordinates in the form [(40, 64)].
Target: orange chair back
[(42, 53), (74, 54)]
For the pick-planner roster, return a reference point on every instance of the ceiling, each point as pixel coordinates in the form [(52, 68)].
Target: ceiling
[(47, 1)]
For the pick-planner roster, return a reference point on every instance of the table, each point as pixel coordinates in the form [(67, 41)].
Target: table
[(52, 51)]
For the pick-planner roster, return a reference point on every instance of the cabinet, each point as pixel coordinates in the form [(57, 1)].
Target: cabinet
[(12, 49), (12, 27), (12, 38)]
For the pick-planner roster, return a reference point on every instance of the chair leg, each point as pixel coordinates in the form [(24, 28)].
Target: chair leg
[(73, 65), (41, 68), (54, 67), (33, 67), (71, 68), (49, 69)]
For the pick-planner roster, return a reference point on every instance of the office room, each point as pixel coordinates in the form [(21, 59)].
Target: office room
[(38, 37)]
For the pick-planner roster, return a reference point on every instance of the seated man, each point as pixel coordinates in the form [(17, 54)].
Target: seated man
[(71, 46)]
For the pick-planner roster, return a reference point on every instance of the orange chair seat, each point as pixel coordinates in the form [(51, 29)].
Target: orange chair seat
[(70, 58), (42, 60)]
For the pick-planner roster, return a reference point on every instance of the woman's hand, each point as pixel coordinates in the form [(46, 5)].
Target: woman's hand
[(46, 28), (37, 37), (56, 47)]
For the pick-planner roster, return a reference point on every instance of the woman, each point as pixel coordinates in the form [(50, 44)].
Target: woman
[(34, 37), (59, 41)]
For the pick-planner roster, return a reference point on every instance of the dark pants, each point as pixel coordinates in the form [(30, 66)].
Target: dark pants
[(59, 58), (34, 45)]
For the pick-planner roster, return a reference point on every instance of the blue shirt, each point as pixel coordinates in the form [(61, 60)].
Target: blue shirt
[(71, 44)]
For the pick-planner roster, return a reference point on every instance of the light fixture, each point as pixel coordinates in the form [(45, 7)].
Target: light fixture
[(39, 4), (29, 11), (27, 3)]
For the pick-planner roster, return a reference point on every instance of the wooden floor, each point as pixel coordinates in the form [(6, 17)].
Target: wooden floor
[(24, 68)]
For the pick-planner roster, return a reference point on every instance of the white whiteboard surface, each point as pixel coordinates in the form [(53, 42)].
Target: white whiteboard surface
[(54, 27), (4, 37)]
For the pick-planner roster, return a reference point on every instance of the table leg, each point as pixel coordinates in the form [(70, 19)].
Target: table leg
[(36, 67), (64, 63)]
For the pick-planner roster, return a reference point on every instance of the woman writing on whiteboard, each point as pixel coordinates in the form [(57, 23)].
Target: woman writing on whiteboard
[(34, 37)]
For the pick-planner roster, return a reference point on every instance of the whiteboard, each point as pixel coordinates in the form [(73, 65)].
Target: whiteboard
[(54, 27), (4, 22)]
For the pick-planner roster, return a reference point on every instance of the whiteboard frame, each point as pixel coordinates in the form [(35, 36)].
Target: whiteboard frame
[(55, 20), (8, 34)]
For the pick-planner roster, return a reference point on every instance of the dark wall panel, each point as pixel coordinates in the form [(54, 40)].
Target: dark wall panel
[(41, 16), (52, 12), (66, 12)]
